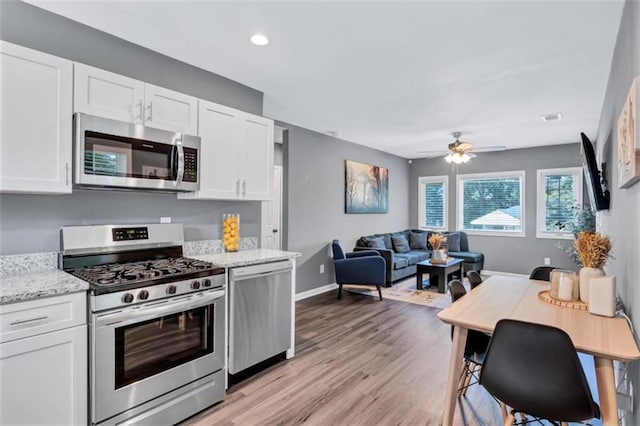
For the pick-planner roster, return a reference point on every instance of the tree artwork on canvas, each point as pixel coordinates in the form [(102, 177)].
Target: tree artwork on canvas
[(366, 188)]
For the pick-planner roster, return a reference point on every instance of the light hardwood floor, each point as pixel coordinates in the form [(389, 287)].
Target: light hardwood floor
[(358, 361)]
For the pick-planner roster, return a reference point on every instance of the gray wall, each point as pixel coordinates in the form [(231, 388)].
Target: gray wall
[(314, 200), (30, 223), (622, 221), (505, 254), (29, 26)]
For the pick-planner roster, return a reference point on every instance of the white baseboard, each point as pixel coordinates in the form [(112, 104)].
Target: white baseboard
[(316, 291), (506, 274)]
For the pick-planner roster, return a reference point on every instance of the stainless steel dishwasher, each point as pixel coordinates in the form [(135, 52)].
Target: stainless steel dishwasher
[(260, 313)]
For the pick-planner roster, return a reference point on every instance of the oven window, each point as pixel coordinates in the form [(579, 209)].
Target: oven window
[(151, 347)]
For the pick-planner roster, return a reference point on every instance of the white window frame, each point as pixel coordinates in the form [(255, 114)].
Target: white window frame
[(421, 201), (493, 175), (541, 204)]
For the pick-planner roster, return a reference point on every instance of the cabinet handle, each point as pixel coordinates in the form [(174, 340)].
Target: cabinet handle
[(237, 187), (66, 173), (44, 317), (150, 111), (244, 187), (140, 110)]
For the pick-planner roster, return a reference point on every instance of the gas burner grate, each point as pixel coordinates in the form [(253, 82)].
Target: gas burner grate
[(142, 271)]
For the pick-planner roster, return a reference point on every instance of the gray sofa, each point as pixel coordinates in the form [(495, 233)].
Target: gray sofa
[(401, 265)]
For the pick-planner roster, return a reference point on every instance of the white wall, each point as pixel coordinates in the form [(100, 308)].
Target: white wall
[(622, 221)]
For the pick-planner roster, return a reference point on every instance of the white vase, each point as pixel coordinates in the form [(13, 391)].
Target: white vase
[(585, 275), (602, 296)]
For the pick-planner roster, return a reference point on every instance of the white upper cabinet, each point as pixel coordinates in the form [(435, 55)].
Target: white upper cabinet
[(236, 154), (169, 110), (257, 167), (106, 94), (35, 121)]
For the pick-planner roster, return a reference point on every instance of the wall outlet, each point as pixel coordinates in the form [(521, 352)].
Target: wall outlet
[(547, 261), (165, 219), (322, 268)]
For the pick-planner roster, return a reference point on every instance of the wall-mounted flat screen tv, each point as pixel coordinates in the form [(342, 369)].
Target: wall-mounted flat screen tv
[(598, 195)]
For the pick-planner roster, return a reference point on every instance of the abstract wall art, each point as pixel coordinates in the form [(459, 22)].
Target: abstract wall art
[(366, 188)]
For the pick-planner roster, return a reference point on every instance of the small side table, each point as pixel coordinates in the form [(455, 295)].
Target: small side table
[(438, 272)]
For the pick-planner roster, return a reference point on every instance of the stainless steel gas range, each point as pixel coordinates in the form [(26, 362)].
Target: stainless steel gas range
[(156, 321)]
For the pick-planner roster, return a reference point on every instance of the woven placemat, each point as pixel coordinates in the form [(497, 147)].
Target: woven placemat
[(546, 297)]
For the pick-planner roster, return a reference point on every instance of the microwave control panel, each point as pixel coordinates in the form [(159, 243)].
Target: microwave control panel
[(190, 165)]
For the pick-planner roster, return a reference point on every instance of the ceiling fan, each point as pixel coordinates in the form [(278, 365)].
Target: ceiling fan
[(460, 151)]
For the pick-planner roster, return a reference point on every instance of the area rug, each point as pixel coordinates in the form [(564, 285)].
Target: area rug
[(405, 291)]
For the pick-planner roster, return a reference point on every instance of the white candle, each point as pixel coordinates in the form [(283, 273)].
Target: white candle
[(565, 289)]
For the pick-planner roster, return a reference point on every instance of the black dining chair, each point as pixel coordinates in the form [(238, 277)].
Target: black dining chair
[(474, 278), (475, 346), (535, 370), (542, 273)]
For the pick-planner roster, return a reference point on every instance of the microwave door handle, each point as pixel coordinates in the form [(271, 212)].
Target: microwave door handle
[(180, 175)]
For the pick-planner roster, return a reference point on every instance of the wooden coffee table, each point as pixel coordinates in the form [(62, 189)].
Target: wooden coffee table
[(438, 272)]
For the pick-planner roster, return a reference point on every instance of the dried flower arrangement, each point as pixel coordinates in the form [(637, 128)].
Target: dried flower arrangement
[(592, 249), (436, 240), (583, 220)]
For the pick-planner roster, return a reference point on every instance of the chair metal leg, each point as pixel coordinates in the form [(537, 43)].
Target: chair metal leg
[(339, 291), (379, 291)]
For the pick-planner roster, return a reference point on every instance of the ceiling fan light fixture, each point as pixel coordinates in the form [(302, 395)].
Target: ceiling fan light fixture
[(448, 158), (465, 158)]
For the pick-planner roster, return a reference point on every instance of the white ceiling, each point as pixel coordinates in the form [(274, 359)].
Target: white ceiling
[(395, 76)]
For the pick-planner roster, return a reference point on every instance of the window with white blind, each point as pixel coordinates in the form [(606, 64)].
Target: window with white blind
[(559, 191), (432, 202), (491, 203)]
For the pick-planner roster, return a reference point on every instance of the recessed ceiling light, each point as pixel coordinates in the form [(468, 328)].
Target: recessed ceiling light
[(552, 117), (259, 40)]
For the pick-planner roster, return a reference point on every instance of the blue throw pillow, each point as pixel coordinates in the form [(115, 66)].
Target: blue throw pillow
[(387, 240), (453, 241), (418, 240), (375, 243), (400, 243)]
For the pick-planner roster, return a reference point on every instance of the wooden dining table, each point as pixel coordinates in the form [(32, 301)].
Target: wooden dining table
[(499, 297)]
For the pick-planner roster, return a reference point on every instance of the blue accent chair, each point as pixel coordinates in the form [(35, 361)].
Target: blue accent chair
[(365, 267)]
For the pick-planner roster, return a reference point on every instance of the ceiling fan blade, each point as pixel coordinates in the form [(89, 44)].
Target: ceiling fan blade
[(490, 148), (464, 146)]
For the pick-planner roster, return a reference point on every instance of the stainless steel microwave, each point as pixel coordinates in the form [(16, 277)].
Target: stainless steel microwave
[(112, 154)]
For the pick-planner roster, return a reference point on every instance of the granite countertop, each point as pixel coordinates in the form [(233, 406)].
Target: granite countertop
[(31, 276), (247, 257), (21, 286)]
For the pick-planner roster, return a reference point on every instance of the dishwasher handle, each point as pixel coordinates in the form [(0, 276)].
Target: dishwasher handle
[(260, 270)]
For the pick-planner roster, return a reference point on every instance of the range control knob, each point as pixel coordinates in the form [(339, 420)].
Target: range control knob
[(127, 298), (143, 295), (195, 285), (171, 289), (206, 282)]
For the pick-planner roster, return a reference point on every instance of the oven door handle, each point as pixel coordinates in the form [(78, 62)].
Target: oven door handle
[(157, 309)]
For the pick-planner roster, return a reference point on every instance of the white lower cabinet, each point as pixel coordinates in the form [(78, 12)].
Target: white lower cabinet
[(44, 376)]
